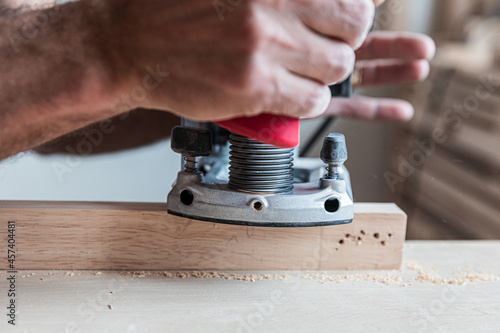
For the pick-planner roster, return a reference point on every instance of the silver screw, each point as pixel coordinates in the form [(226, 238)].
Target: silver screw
[(334, 153)]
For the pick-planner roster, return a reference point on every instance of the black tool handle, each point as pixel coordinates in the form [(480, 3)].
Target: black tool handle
[(343, 89)]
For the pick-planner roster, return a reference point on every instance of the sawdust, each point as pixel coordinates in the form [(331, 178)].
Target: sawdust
[(424, 276), (28, 275), (461, 277), (68, 273), (387, 279), (207, 275), (98, 273), (414, 266)]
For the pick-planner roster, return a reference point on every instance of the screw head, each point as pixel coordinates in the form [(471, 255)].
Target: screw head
[(191, 141), (334, 149)]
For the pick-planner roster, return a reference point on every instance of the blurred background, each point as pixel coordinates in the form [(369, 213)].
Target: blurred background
[(442, 168)]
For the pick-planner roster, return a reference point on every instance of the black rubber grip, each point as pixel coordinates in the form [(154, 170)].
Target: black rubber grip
[(343, 89)]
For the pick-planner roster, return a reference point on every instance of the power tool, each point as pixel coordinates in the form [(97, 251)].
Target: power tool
[(242, 172)]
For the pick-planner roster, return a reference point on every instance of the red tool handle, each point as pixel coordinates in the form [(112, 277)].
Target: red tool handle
[(280, 131)]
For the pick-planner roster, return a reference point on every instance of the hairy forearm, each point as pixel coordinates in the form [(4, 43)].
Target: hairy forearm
[(53, 78)]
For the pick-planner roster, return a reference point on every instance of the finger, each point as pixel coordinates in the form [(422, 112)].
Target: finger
[(370, 108), (378, 2), (374, 73), (318, 58), (296, 96), (347, 20), (396, 45)]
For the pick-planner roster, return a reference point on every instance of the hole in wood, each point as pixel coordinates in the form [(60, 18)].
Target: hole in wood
[(383, 243), (341, 241), (376, 235), (363, 232)]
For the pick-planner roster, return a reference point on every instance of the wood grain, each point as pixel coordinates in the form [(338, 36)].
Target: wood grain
[(72, 235)]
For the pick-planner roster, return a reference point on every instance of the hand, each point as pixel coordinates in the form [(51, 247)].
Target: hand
[(386, 58), (236, 60)]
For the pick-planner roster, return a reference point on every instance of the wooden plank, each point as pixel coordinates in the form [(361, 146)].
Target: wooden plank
[(53, 301), (143, 236)]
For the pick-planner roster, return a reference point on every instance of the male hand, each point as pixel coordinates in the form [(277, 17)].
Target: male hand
[(386, 58), (249, 57)]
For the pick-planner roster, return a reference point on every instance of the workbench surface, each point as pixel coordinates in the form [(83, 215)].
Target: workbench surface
[(462, 294)]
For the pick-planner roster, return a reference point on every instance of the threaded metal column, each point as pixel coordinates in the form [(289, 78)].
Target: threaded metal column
[(258, 167), (190, 165)]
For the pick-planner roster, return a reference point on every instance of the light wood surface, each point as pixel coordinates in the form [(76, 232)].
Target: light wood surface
[(58, 302), (65, 235)]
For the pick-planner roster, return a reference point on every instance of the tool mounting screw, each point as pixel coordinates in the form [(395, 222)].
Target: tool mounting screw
[(191, 142), (334, 153)]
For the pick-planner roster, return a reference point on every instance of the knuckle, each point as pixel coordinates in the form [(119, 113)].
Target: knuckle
[(366, 11), (253, 34), (314, 102), (342, 64), (363, 13)]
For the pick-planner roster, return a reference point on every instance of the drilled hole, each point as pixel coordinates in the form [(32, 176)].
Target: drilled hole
[(383, 243), (363, 232), (258, 206), (390, 235), (187, 197), (341, 241), (332, 205), (376, 235)]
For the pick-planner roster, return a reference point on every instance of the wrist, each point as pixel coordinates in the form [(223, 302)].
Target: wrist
[(107, 79)]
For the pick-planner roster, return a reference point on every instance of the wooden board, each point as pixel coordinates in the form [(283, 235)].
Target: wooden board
[(55, 301), (65, 235)]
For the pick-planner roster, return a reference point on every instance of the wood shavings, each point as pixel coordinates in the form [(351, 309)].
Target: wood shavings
[(424, 276), (388, 279), (28, 275), (97, 273), (414, 266), (208, 275), (69, 274), (461, 277)]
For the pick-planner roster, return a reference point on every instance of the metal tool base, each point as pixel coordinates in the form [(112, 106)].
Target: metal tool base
[(331, 204), (269, 225)]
